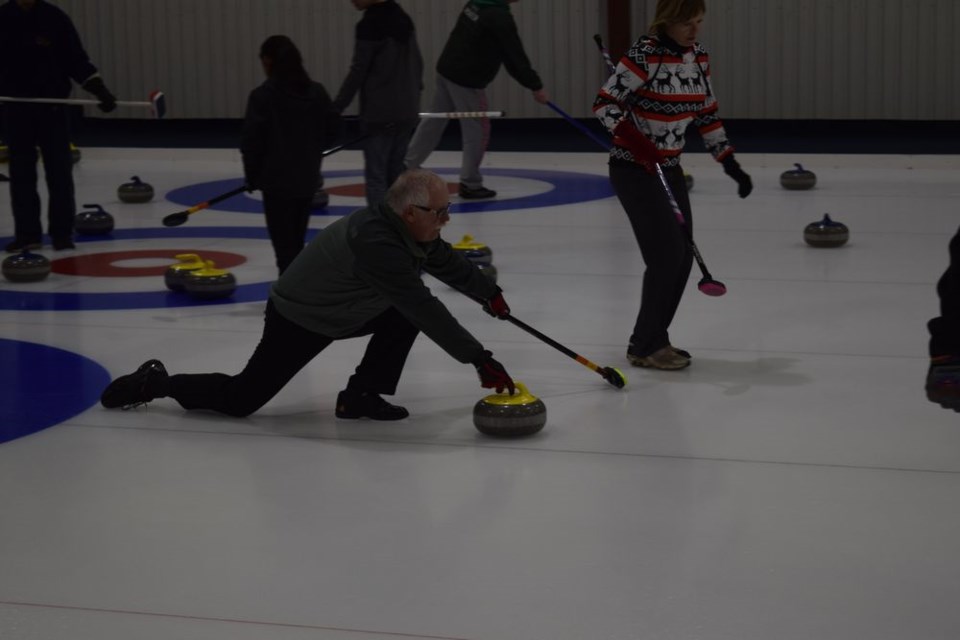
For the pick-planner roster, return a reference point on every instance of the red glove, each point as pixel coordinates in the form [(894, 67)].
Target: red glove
[(492, 374), (644, 151), (497, 306)]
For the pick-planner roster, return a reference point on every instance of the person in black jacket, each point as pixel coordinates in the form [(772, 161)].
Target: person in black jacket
[(484, 38), (40, 53), (387, 70), (289, 121), (943, 376), (360, 276)]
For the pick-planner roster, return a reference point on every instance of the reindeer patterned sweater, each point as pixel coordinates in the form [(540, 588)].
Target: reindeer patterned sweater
[(664, 87)]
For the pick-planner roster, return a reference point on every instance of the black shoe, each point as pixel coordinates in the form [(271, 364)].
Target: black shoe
[(140, 387), (353, 404), (478, 193), (21, 244), (59, 244)]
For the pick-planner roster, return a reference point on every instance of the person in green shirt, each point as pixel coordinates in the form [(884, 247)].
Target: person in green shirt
[(360, 276), (484, 38)]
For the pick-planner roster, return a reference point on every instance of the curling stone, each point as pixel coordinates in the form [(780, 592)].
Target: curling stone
[(488, 270), (26, 267), (320, 198), (4, 152), (209, 283), (798, 179), (826, 233), (689, 179), (75, 154), (175, 277), (135, 191), (476, 252), (93, 223), (504, 416)]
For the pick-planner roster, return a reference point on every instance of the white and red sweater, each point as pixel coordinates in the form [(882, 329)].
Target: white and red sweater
[(666, 87)]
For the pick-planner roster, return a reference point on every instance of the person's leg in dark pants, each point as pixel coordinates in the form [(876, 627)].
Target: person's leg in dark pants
[(400, 140), (54, 141), (284, 349), (390, 343), (376, 162), (943, 376), (665, 250), (379, 371), (287, 220), (21, 131)]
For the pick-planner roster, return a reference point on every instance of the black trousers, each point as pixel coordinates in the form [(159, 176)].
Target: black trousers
[(945, 329), (287, 220), (27, 127), (663, 245), (284, 349)]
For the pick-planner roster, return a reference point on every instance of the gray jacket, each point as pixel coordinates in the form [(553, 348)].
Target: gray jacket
[(386, 69)]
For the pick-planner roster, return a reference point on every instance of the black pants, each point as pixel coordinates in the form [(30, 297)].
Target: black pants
[(28, 126), (287, 220), (284, 349), (945, 329), (663, 245)]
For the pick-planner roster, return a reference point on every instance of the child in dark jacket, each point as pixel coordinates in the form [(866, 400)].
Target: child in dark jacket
[(289, 122)]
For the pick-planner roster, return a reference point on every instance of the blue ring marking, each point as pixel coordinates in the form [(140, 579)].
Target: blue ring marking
[(567, 188), (41, 386), (65, 301)]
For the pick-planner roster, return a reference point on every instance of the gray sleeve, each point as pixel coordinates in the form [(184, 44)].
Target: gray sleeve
[(364, 52)]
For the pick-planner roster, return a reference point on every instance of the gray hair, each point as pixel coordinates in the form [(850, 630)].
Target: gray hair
[(413, 187)]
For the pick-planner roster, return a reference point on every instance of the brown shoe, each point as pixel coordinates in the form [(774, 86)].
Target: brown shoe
[(683, 353), (665, 358)]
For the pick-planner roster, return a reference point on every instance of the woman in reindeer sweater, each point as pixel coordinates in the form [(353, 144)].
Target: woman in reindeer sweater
[(659, 88)]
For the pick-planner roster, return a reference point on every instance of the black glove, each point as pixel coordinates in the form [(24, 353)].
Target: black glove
[(732, 168), (496, 306), (492, 374), (95, 86)]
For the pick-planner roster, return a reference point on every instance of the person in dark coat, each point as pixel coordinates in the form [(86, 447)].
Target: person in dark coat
[(943, 376), (40, 54), (360, 276), (289, 122), (387, 71)]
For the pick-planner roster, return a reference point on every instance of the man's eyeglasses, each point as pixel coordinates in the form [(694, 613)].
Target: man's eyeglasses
[(438, 213)]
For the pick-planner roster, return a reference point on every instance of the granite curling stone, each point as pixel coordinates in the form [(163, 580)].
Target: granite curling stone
[(501, 415), (798, 179), (476, 252), (135, 191), (95, 222), (209, 283), (826, 233), (175, 277), (26, 267)]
